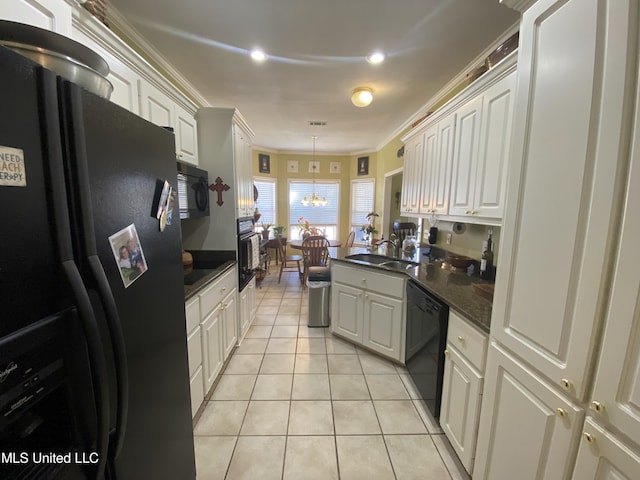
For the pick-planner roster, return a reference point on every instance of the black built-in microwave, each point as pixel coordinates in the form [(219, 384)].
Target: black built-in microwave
[(193, 191)]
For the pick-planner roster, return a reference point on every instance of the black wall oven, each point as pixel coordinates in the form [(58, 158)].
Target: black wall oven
[(427, 323), (248, 251)]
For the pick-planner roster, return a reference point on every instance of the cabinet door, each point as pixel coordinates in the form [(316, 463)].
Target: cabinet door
[(429, 159), (244, 313), (230, 309), (155, 106), (604, 457), (617, 385), (411, 176), (186, 136), (346, 311), (52, 15), (241, 172), (564, 175), (465, 157), (382, 326), (442, 165), (491, 175), (526, 425), (212, 359), (460, 407)]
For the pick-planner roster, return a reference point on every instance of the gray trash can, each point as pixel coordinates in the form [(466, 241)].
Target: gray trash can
[(319, 284)]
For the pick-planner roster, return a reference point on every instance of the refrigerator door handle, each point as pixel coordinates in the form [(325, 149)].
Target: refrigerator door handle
[(60, 215), (78, 152)]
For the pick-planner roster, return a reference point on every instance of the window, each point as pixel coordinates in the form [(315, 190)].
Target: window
[(266, 202), (362, 196), (324, 218)]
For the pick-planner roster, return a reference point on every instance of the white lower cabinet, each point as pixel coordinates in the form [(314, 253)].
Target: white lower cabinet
[(530, 430), (346, 311), (368, 308), (230, 318), (212, 348), (462, 387), (194, 353), (382, 326), (602, 456), (218, 325), (247, 309)]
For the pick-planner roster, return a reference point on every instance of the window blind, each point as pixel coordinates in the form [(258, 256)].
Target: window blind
[(362, 198), (326, 216), (266, 201)]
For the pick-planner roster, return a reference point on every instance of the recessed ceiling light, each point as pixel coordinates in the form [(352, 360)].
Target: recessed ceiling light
[(375, 57), (258, 55)]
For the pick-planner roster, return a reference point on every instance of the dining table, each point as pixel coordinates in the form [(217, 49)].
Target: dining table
[(297, 244)]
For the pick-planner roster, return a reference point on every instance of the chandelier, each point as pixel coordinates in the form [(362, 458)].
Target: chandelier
[(315, 201)]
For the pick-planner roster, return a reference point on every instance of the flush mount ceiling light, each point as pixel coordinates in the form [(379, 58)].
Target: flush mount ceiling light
[(315, 200), (258, 55), (376, 57), (362, 96)]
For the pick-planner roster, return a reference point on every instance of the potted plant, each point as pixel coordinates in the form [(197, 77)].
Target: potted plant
[(265, 230), (305, 227), (370, 228), (278, 230)]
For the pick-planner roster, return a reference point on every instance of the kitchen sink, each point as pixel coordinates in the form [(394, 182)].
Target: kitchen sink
[(382, 261), (368, 258), (399, 264)]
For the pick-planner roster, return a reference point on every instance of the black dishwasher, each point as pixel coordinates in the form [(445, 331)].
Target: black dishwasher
[(427, 321)]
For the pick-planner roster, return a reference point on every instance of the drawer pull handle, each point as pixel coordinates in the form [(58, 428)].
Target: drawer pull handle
[(460, 338), (447, 353), (561, 412), (588, 438), (566, 384), (597, 406)]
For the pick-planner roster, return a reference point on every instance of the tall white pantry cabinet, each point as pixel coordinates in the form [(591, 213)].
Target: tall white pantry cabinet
[(562, 386)]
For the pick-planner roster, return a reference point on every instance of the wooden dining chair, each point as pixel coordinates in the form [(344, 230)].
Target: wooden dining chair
[(402, 229), (315, 252), (287, 261), (350, 239)]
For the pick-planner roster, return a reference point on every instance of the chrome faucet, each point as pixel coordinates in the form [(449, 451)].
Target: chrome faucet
[(394, 242)]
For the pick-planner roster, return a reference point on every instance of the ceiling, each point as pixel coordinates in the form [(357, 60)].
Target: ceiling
[(316, 57)]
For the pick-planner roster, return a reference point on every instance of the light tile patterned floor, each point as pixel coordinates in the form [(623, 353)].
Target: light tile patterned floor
[(297, 403)]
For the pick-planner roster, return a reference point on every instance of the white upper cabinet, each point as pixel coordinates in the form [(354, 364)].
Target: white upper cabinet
[(436, 168), (155, 106), (493, 157), (564, 184), (53, 15), (465, 157), (616, 395), (186, 133), (413, 166)]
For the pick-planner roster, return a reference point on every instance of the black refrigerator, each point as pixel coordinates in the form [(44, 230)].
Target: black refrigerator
[(94, 376)]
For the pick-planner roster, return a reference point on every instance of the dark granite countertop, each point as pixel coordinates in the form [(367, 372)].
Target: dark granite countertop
[(452, 287), (207, 266)]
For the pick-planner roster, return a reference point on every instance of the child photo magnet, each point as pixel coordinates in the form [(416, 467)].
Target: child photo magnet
[(128, 254)]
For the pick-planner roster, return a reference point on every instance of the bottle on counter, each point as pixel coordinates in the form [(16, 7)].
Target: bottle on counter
[(486, 262)]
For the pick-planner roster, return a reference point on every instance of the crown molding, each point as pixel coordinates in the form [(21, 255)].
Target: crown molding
[(116, 19), (448, 87)]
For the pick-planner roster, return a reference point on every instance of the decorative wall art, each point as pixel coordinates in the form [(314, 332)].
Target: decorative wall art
[(292, 166), (334, 167), (314, 166), (264, 162), (363, 166)]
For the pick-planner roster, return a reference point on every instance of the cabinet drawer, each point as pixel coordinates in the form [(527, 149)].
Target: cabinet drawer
[(389, 284), (194, 350), (197, 391), (214, 294), (192, 311), (470, 342)]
